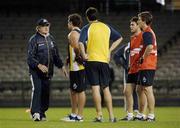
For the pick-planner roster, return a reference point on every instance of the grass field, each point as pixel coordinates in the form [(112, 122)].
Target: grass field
[(167, 117)]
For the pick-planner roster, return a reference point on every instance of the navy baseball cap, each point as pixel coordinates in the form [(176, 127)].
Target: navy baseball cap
[(43, 22)]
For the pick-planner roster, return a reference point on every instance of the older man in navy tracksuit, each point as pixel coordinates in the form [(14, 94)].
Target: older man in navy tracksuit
[(42, 56)]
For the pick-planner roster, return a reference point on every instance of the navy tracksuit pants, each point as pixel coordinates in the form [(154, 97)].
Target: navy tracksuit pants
[(135, 99), (40, 94)]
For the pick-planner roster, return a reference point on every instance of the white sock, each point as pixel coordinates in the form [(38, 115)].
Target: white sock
[(136, 111), (130, 114), (79, 117), (73, 115), (140, 115), (144, 116), (151, 116)]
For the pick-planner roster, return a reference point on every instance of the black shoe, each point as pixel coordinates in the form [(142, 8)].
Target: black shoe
[(150, 120), (98, 119), (113, 120), (139, 119), (127, 118)]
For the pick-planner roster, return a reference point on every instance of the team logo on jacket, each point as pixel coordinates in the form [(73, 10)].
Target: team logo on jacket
[(144, 79), (42, 44), (52, 44), (74, 86)]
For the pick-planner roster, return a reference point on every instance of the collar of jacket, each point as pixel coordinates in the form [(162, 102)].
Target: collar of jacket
[(42, 34)]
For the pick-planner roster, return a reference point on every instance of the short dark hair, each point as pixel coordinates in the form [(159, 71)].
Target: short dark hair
[(134, 19), (76, 19), (92, 13), (146, 17)]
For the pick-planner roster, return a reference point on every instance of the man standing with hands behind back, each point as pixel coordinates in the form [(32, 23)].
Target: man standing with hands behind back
[(96, 36), (43, 54), (76, 71)]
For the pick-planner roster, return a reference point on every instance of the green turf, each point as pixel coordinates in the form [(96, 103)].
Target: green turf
[(167, 117)]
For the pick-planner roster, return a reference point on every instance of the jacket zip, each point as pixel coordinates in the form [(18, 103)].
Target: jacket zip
[(48, 56)]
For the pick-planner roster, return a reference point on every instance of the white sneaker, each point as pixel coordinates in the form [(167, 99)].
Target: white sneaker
[(127, 118), (36, 117), (69, 118), (140, 117), (136, 111), (44, 119), (79, 119)]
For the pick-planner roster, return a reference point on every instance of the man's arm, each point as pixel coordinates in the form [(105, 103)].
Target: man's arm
[(31, 54), (82, 51), (32, 61), (148, 39), (116, 38), (119, 57), (73, 41), (82, 41), (57, 59), (148, 50), (115, 44)]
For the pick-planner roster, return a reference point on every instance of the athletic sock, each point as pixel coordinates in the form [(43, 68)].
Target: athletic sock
[(136, 111), (140, 115), (151, 116), (79, 117), (130, 115), (73, 115)]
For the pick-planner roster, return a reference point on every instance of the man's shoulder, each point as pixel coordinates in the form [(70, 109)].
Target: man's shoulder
[(105, 24), (33, 37), (51, 37), (85, 27), (73, 33), (147, 35)]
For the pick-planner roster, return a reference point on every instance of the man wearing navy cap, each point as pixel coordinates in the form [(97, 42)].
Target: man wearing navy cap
[(42, 56)]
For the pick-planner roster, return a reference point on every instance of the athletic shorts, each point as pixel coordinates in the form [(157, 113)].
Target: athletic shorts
[(97, 73), (146, 77), (77, 81), (132, 78)]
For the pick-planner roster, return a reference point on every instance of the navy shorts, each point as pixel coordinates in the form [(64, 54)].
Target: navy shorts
[(132, 78), (78, 81), (146, 77), (97, 73)]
